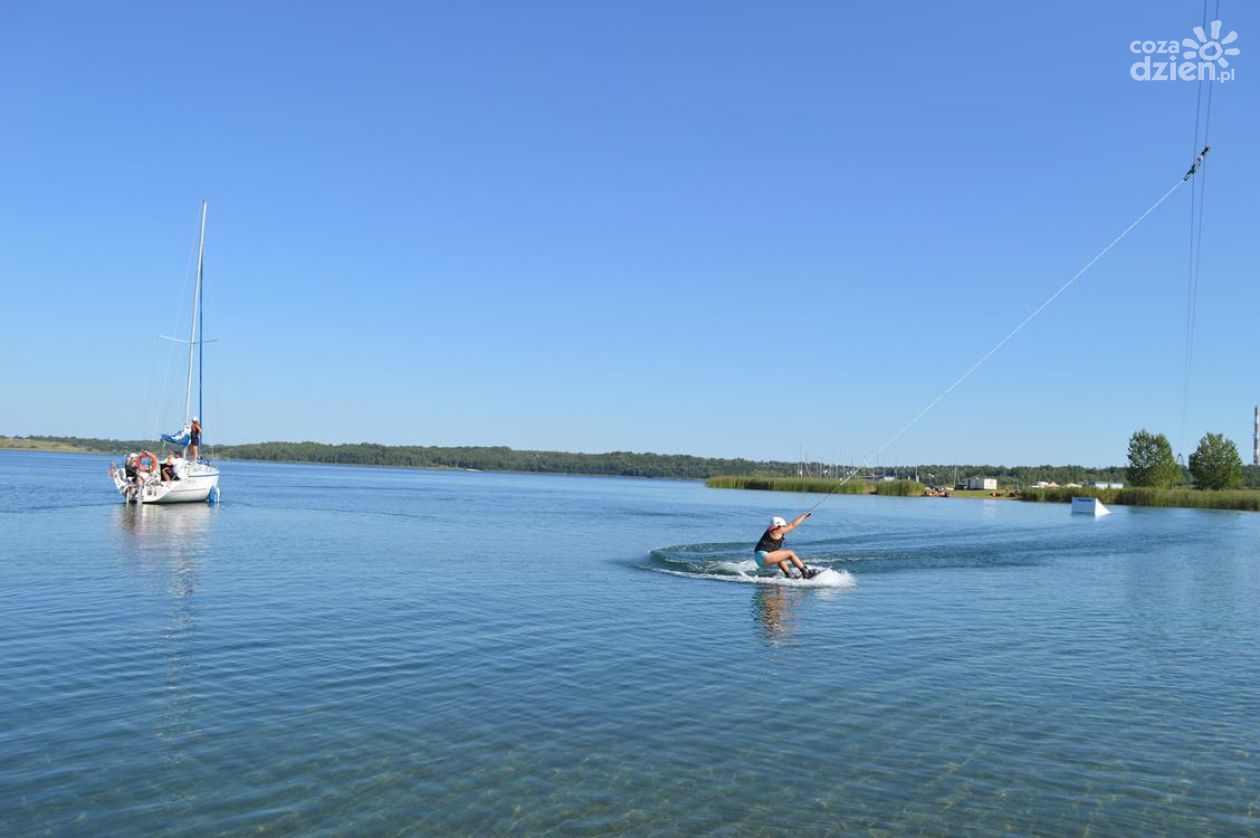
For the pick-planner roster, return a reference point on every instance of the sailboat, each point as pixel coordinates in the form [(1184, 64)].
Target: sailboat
[(181, 479)]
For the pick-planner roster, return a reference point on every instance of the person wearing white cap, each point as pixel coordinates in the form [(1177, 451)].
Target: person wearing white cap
[(194, 440), (769, 551)]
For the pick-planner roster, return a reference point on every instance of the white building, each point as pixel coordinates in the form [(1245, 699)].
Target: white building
[(988, 484)]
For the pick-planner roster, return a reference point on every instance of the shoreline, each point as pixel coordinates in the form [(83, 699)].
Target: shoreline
[(1239, 500)]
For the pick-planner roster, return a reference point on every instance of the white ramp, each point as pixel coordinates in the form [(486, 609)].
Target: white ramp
[(1089, 506)]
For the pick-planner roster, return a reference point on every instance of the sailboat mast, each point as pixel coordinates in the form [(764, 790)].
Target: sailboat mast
[(192, 341), (201, 316)]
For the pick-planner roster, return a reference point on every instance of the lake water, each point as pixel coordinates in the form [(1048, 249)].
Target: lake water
[(337, 650)]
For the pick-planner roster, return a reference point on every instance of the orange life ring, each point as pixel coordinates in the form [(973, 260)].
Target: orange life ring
[(152, 465)]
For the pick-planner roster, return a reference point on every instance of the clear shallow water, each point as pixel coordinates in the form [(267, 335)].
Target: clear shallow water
[(339, 649)]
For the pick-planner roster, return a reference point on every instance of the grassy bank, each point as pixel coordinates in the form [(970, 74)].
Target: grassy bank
[(985, 494), (1241, 499), (818, 485), (1247, 500), (24, 444)]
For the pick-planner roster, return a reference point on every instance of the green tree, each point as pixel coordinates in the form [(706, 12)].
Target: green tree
[(1151, 461), (1215, 464)]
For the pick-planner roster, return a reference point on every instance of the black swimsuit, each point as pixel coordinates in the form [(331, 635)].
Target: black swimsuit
[(768, 544)]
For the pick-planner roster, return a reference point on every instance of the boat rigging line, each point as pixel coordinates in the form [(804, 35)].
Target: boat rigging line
[(1195, 169)]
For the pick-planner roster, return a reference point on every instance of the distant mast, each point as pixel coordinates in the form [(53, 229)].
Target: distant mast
[(192, 340), (1255, 440)]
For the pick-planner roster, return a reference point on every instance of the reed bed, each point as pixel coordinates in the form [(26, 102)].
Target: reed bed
[(900, 488), (820, 485), (1246, 500)]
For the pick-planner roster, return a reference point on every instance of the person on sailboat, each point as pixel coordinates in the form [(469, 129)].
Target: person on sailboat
[(170, 468), (130, 472), (137, 468), (769, 551), (194, 440)]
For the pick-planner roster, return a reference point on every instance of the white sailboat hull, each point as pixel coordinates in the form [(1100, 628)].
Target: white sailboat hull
[(194, 487)]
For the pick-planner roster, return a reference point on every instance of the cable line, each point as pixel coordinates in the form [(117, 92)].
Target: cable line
[(1189, 176), (1196, 229)]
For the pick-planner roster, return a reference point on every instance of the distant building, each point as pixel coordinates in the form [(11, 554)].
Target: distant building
[(987, 484), (1046, 484)]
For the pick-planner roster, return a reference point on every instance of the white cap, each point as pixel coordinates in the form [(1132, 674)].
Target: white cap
[(194, 418), (776, 521)]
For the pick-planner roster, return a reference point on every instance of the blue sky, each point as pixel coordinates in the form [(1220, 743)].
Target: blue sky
[(712, 228)]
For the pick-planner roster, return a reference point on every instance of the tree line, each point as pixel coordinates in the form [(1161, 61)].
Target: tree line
[(482, 458), (500, 458)]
